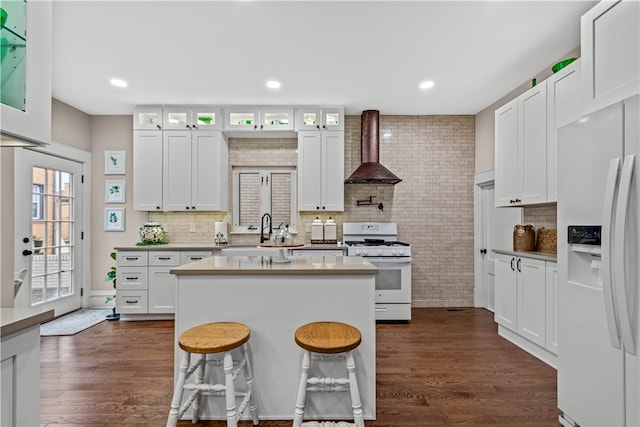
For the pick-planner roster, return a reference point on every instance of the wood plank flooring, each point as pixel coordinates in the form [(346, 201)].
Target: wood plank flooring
[(443, 368)]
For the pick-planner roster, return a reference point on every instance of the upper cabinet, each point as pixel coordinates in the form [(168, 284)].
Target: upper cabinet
[(564, 105), (321, 171), (147, 117), (259, 119), (610, 37), (26, 91), (319, 118), (201, 117), (521, 150)]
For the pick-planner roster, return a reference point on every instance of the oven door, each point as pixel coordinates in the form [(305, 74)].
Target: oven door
[(393, 281)]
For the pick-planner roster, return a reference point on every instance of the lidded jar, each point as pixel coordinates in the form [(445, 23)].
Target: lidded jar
[(151, 232), (524, 238)]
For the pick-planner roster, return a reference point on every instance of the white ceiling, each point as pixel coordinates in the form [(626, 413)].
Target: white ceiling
[(360, 54)]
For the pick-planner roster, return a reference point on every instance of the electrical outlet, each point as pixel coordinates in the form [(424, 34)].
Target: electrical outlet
[(307, 228), (192, 228)]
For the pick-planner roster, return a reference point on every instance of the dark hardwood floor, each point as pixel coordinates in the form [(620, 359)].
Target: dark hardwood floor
[(443, 368)]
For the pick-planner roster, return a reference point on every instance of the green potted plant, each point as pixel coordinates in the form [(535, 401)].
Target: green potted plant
[(111, 277)]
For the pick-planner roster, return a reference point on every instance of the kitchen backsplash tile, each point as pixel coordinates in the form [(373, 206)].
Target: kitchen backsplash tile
[(433, 205), (541, 216)]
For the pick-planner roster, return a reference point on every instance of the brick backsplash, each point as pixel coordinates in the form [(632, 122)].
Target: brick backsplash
[(433, 205), (541, 216)]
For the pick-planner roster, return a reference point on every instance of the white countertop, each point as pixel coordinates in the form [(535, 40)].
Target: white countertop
[(16, 319), (212, 247), (535, 255), (256, 265)]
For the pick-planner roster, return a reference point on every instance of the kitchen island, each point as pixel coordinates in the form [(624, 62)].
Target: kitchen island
[(274, 300)]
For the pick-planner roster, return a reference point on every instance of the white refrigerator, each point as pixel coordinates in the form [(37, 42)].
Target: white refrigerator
[(598, 296)]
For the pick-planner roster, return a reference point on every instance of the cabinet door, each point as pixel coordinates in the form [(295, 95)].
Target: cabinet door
[(129, 278), (131, 301), (332, 118), (206, 117), (176, 177), (309, 171), (308, 118), (147, 170), (507, 182), (239, 118), (551, 283), (332, 171), (176, 117), (506, 291), (564, 105), (209, 171), (162, 288), (276, 118), (610, 36), (532, 154), (532, 299), (147, 117)]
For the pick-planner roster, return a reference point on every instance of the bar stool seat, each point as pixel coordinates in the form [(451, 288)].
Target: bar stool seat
[(212, 338), (331, 338)]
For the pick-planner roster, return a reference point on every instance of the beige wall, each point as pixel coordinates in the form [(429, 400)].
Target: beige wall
[(485, 132), (70, 126)]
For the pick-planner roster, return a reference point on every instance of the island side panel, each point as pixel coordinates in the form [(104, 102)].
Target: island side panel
[(274, 306)]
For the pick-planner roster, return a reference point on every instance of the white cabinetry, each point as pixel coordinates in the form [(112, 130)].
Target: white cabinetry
[(317, 252), (195, 171), (321, 171), (525, 303), (147, 170), (259, 119), (564, 105), (319, 118), (521, 149), (147, 117), (144, 284), (610, 44), (192, 117)]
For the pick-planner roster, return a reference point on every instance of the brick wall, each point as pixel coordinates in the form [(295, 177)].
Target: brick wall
[(433, 205), (541, 216)]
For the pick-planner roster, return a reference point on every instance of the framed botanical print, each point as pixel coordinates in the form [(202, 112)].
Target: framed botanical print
[(114, 191), (114, 162), (114, 219)]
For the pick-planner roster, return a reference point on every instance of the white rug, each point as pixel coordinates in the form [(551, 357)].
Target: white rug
[(74, 322)]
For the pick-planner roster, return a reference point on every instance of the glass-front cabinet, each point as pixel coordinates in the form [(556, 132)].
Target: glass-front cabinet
[(259, 119), (194, 117), (147, 117), (319, 118)]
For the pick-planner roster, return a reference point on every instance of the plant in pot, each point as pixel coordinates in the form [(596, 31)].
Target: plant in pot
[(111, 277)]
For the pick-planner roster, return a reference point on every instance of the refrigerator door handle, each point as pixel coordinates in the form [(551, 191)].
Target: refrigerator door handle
[(620, 282), (607, 285)]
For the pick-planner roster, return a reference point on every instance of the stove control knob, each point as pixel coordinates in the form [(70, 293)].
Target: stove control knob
[(358, 252), (365, 252), (394, 252), (379, 251)]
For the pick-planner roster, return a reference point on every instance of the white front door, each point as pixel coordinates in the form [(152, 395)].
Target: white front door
[(47, 231)]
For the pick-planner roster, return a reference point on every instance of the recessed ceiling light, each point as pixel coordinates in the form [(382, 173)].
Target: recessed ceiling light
[(426, 85), (118, 82), (273, 84)]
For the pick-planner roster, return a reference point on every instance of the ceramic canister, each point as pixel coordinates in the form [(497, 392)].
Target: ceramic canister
[(151, 232)]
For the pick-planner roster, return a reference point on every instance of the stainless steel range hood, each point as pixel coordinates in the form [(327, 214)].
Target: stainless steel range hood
[(371, 171)]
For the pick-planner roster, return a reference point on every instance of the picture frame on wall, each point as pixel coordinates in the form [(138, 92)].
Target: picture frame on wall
[(114, 162), (114, 191), (114, 219)]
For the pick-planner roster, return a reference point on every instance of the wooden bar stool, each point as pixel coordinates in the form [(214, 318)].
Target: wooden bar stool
[(328, 338), (211, 338)]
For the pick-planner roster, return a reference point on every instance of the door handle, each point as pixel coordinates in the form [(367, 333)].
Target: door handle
[(518, 265), (27, 252), (512, 269)]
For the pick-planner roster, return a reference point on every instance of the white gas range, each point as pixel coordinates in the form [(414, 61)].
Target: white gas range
[(378, 243)]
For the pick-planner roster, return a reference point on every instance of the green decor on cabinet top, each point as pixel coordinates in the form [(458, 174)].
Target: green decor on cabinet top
[(560, 65)]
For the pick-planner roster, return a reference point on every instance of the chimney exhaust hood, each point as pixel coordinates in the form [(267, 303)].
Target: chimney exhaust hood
[(371, 171)]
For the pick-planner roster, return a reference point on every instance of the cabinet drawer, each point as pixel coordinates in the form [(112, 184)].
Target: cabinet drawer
[(131, 258), (131, 301), (187, 257), (132, 278), (164, 258)]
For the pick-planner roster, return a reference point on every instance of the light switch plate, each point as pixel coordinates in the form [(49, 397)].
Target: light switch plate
[(192, 228)]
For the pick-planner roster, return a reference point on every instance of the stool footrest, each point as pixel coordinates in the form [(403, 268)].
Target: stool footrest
[(327, 384), (327, 424)]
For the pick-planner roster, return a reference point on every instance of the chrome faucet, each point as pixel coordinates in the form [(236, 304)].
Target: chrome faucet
[(265, 222)]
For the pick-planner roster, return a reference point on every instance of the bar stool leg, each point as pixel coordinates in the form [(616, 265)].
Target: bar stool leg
[(248, 378), (202, 363), (302, 390), (354, 391), (177, 392), (230, 391)]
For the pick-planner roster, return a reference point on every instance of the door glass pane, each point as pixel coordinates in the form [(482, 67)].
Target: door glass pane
[(249, 203), (388, 279), (281, 198), (309, 119), (241, 119), (276, 119), (177, 118), (51, 225), (206, 118), (332, 119)]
